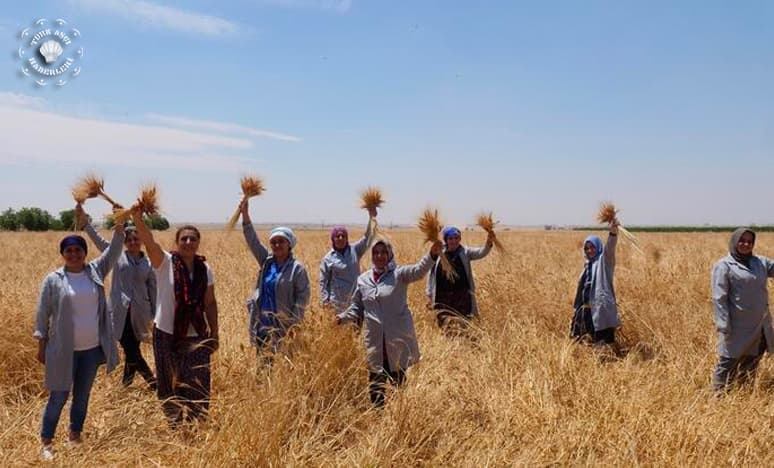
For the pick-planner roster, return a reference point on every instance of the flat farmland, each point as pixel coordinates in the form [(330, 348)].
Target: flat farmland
[(516, 391)]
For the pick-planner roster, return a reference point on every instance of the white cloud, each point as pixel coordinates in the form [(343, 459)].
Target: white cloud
[(161, 16), (10, 99), (339, 6), (221, 127), (36, 136)]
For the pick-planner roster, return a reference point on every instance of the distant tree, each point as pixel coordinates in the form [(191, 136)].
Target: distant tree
[(67, 219), (35, 219), (9, 220), (156, 222)]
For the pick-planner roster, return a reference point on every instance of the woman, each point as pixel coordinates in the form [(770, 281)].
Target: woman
[(74, 333), (340, 268), (379, 303), (596, 312), (456, 299), (741, 300), (186, 332), (132, 298), (282, 292)]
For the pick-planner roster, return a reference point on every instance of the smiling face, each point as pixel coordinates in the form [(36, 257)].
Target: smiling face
[(590, 250), (280, 247), (187, 242), (380, 256), (74, 258), (745, 244), (133, 243), (340, 241), (453, 242)]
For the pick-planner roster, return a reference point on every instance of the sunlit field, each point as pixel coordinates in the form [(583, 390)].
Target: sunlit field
[(516, 391)]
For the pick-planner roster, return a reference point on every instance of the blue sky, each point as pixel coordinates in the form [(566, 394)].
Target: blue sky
[(536, 111)]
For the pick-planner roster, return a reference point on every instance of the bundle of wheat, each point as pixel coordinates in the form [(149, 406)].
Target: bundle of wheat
[(608, 214), (147, 203), (252, 186), (487, 223), (430, 225), (371, 199), (90, 186)]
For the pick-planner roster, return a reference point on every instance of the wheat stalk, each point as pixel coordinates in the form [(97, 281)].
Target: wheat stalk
[(487, 223), (430, 225), (370, 199), (147, 203), (252, 186), (90, 186), (608, 214)]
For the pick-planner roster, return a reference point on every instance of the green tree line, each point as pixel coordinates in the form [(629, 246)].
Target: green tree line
[(37, 219)]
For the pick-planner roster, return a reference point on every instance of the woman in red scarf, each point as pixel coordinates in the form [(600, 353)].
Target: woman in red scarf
[(186, 331)]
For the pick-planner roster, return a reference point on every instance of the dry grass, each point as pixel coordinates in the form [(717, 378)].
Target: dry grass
[(521, 394), (430, 226), (252, 186), (486, 222)]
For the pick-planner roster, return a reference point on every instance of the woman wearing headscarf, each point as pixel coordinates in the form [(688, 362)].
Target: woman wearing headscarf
[(132, 298), (186, 332), (74, 332), (455, 298), (282, 292), (340, 267), (741, 301), (596, 312), (379, 304)]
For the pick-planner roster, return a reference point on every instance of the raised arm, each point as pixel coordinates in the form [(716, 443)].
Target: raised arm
[(114, 250), (415, 272), (155, 252), (477, 253), (259, 251), (610, 245), (81, 222), (362, 244), (720, 286)]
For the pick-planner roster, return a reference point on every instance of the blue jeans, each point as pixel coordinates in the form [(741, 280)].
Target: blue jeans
[(85, 364)]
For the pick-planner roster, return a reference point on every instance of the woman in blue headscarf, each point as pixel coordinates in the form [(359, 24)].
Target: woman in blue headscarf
[(596, 313), (282, 292), (455, 299)]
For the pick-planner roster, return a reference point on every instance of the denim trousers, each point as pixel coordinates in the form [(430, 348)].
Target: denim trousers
[(85, 364)]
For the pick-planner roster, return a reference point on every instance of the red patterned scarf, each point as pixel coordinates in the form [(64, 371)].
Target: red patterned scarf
[(189, 296)]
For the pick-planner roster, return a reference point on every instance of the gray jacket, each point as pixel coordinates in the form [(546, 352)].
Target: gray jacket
[(339, 272), (54, 319), (741, 299), (382, 308), (292, 290), (467, 254), (133, 284), (604, 311)]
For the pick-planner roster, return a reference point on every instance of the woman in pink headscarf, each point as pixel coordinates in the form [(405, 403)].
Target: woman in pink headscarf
[(340, 267)]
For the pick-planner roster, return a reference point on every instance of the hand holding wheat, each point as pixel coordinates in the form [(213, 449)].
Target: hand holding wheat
[(90, 186), (487, 223), (608, 214), (252, 186), (430, 225)]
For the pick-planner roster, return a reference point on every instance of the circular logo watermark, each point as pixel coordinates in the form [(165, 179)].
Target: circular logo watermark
[(50, 52)]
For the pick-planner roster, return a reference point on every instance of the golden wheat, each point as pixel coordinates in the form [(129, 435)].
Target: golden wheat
[(520, 393)]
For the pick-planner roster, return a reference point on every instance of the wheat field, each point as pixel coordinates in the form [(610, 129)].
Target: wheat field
[(516, 392)]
